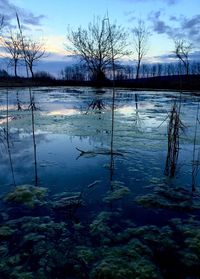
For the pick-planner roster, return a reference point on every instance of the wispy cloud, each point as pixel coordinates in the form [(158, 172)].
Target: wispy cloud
[(176, 26), (8, 10), (194, 56)]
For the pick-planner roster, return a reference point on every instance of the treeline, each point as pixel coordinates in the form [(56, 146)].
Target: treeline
[(79, 72)]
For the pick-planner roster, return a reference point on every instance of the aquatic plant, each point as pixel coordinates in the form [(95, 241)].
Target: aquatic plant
[(170, 197), (173, 131), (127, 261), (6, 232), (27, 195), (117, 192), (100, 227)]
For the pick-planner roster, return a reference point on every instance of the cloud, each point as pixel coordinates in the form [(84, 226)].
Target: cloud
[(160, 27), (176, 26), (189, 23), (171, 58), (169, 2), (8, 11)]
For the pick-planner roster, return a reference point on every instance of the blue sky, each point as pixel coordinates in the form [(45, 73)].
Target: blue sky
[(165, 19)]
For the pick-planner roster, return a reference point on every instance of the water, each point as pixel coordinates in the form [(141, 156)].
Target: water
[(101, 211)]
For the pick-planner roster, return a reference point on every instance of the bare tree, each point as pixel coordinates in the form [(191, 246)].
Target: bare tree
[(12, 45), (94, 48), (182, 50), (141, 37), (32, 52)]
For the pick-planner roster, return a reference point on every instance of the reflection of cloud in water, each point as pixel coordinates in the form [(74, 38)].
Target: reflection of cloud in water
[(64, 112), (126, 110), (148, 114), (10, 107), (130, 109), (3, 120)]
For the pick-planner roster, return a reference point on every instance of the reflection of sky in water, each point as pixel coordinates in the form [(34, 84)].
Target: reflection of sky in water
[(65, 121), (63, 111)]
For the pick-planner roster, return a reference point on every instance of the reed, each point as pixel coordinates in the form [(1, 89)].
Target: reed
[(173, 131), (113, 101), (7, 136), (195, 154)]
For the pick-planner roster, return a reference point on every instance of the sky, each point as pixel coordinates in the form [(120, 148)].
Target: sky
[(48, 20)]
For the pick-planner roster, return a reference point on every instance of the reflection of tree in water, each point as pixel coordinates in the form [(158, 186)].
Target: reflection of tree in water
[(96, 105), (195, 154), (32, 105), (19, 107), (5, 138), (173, 132), (137, 120)]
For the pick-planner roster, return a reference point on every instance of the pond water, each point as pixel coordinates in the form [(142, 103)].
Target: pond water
[(78, 201)]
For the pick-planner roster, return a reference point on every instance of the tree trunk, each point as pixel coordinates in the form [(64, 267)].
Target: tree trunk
[(138, 69), (99, 77), (15, 68), (31, 70)]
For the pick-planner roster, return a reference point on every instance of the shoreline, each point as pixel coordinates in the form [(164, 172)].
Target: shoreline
[(178, 83)]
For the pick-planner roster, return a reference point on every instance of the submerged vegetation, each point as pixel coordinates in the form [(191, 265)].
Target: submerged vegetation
[(47, 244)]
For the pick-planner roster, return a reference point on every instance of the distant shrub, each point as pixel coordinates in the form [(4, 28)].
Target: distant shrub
[(4, 74), (43, 76)]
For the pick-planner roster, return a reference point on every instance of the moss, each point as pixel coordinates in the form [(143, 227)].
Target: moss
[(27, 195), (119, 264), (33, 237), (118, 192), (176, 198), (189, 259), (22, 275), (6, 232), (3, 250), (86, 254), (14, 260)]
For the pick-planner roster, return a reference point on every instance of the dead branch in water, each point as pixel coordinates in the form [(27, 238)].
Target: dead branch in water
[(106, 152)]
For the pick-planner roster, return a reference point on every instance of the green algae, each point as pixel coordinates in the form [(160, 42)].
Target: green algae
[(130, 253), (21, 275), (117, 192), (6, 232), (108, 246), (100, 227), (175, 198), (27, 195), (125, 262), (3, 249)]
